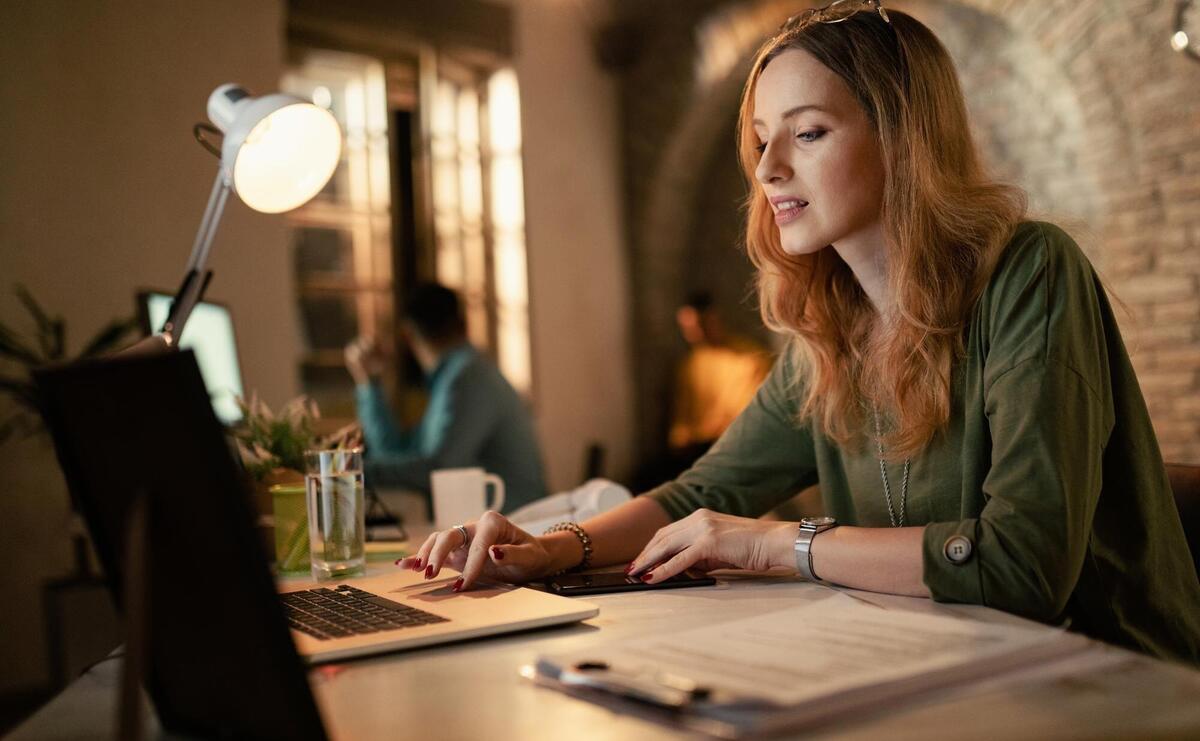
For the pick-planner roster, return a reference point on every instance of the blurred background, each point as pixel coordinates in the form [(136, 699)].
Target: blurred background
[(567, 165)]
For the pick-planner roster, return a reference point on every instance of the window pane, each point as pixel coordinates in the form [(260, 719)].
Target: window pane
[(513, 334), (342, 245), (322, 250), (329, 322), (508, 198), (505, 112), (511, 278)]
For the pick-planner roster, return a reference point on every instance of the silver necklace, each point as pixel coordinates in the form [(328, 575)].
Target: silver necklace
[(887, 489)]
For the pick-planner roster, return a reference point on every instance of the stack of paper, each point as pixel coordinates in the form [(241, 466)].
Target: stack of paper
[(802, 665), (592, 498)]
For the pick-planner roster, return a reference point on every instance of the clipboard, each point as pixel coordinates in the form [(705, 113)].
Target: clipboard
[(660, 697), (705, 680)]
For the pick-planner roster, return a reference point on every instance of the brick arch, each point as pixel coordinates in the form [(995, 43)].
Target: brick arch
[(1090, 143), (1041, 69)]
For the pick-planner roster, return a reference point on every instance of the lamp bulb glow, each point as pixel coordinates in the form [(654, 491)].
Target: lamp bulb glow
[(279, 150), (287, 158)]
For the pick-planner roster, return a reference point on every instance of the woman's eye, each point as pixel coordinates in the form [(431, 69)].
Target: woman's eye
[(760, 148), (811, 135)]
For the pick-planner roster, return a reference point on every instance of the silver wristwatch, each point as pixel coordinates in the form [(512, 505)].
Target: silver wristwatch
[(809, 527)]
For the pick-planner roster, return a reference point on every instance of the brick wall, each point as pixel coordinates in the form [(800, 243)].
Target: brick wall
[(1080, 102)]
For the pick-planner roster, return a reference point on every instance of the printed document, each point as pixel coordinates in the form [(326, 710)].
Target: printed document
[(831, 654)]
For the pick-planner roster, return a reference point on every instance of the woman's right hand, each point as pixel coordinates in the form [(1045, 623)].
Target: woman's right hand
[(497, 550)]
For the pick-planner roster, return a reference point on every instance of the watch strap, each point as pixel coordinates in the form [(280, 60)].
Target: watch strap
[(803, 549)]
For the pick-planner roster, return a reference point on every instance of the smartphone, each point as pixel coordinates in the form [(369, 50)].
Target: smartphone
[(572, 585)]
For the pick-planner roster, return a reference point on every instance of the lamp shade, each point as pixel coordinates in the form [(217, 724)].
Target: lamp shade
[(279, 150)]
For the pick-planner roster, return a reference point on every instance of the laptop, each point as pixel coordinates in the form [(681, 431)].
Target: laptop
[(208, 332), (226, 651)]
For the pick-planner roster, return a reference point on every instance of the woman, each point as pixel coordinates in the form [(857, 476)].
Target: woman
[(955, 381)]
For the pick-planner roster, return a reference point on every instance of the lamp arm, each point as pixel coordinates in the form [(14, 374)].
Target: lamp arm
[(195, 281), (189, 294), (209, 222), (167, 339)]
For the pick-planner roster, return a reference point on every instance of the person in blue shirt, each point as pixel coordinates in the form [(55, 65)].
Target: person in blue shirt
[(474, 417)]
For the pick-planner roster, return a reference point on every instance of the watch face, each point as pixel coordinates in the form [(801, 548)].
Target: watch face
[(818, 521)]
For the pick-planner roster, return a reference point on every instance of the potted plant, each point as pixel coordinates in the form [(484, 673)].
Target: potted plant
[(48, 346), (272, 444), (20, 354), (272, 448)]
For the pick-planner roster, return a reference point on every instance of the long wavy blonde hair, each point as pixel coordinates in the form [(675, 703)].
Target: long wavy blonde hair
[(944, 220)]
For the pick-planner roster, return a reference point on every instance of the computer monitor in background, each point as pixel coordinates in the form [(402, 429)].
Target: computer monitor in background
[(209, 332)]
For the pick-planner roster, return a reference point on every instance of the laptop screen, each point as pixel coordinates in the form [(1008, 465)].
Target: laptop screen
[(209, 333)]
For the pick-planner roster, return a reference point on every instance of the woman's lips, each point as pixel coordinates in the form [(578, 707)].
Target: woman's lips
[(789, 212)]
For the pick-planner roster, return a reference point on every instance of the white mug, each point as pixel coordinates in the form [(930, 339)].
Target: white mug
[(460, 495)]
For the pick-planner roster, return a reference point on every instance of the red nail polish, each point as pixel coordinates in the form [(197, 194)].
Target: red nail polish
[(629, 569), (398, 560), (647, 576), (428, 572), (416, 565), (497, 554), (458, 584)]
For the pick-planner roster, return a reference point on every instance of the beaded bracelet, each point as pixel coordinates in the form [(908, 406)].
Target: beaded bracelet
[(584, 538)]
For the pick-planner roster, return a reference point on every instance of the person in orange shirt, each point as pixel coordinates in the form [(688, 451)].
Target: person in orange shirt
[(715, 381)]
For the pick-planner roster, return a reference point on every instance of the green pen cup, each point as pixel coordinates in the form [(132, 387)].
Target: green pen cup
[(291, 529)]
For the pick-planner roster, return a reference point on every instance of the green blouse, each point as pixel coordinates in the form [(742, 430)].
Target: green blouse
[(1048, 466)]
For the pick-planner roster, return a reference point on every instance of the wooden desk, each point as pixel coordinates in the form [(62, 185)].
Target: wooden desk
[(472, 690)]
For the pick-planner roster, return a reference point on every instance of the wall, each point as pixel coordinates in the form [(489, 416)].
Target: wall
[(101, 191), (1105, 140), (578, 271)]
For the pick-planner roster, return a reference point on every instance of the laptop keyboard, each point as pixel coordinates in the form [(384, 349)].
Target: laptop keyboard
[(345, 611)]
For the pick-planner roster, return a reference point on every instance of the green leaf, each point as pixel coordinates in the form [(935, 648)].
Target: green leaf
[(109, 337), (14, 385), (12, 347), (270, 439), (45, 325), (26, 400), (260, 470), (59, 345)]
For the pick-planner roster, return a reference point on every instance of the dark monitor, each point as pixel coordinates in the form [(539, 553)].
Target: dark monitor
[(208, 332), (140, 430)]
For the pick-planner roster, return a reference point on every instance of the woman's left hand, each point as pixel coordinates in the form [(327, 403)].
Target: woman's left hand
[(707, 540)]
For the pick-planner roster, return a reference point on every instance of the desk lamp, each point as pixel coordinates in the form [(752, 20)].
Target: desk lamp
[(278, 152)]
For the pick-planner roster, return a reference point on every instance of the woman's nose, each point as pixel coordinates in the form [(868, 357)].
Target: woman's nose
[(771, 167)]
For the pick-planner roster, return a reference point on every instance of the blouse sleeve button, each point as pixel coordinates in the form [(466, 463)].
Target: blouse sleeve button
[(957, 549)]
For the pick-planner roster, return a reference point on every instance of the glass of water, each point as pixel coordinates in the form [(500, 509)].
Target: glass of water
[(333, 482)]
